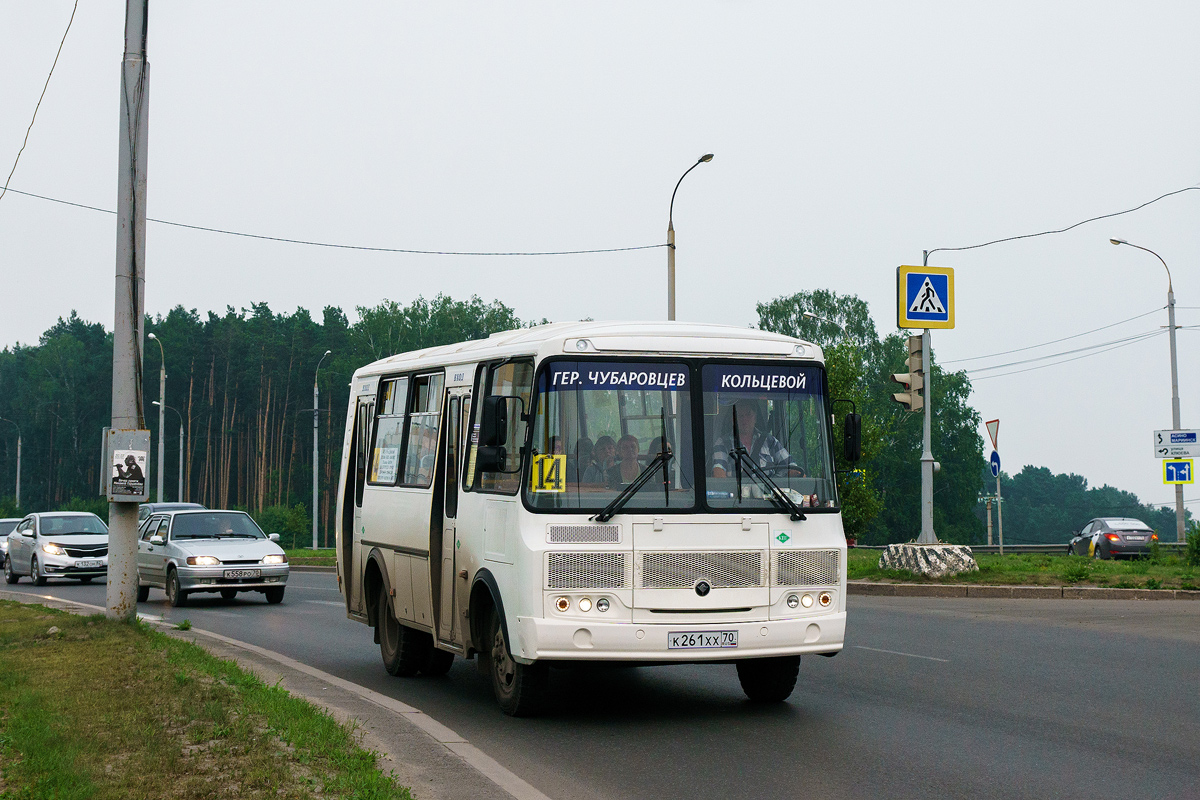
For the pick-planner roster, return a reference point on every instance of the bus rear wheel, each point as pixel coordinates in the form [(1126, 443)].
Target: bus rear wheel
[(769, 680), (404, 650), (520, 689)]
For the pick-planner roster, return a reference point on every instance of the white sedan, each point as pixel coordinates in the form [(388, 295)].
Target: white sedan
[(190, 551)]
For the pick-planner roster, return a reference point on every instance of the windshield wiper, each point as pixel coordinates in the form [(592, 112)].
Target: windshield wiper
[(629, 491), (742, 457)]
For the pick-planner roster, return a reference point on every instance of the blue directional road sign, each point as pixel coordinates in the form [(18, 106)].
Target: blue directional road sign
[(995, 459), (1178, 471), (925, 297)]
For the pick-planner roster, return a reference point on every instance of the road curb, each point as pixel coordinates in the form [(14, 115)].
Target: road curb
[(310, 568), (500, 780), (880, 589)]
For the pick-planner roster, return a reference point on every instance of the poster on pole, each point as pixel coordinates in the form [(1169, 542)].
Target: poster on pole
[(128, 478)]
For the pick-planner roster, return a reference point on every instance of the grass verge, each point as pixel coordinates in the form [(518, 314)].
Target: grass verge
[(92, 708), (1043, 569), (307, 557)]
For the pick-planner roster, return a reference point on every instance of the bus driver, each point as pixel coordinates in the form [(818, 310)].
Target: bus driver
[(762, 446)]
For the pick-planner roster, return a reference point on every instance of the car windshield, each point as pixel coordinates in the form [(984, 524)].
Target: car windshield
[(215, 525), (6, 527), (598, 427), (71, 526), (774, 417)]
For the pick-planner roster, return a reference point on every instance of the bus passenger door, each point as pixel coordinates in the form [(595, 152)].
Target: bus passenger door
[(449, 629), (351, 552)]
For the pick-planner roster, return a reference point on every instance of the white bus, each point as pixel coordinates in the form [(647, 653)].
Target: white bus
[(609, 492)]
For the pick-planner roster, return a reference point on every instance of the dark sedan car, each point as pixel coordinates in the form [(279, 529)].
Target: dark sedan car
[(1113, 537)]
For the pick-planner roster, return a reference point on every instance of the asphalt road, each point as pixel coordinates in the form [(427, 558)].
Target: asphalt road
[(931, 698)]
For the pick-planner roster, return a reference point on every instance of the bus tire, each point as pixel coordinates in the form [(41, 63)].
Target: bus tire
[(769, 680), (438, 663), (520, 689), (404, 650)]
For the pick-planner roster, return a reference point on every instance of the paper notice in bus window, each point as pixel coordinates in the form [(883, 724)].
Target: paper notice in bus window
[(387, 463), (548, 473)]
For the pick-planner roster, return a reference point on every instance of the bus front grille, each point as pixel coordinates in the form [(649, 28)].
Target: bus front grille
[(806, 568), (736, 569), (584, 534), (586, 571)]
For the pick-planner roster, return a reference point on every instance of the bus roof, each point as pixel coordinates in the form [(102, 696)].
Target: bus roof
[(604, 338)]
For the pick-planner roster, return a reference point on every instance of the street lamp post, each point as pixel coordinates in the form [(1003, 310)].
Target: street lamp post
[(179, 496), (162, 403), (1175, 423), (18, 427), (671, 238), (316, 407)]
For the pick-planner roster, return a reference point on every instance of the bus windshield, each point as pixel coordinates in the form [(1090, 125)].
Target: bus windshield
[(600, 424), (773, 416)]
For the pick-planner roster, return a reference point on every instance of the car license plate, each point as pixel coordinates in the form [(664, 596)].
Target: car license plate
[(1135, 538), (88, 564), (243, 573), (699, 640)]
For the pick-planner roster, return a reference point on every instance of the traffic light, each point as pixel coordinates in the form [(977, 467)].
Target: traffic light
[(913, 398)]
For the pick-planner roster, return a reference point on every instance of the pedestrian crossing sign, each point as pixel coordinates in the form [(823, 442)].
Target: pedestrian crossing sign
[(925, 297)]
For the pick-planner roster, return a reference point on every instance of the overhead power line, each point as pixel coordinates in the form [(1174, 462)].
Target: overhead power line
[(45, 86), (1063, 230), (1130, 339), (350, 246), (1122, 343), (1053, 341)]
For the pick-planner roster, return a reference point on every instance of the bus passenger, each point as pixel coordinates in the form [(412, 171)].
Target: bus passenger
[(627, 466), (602, 458), (582, 459)]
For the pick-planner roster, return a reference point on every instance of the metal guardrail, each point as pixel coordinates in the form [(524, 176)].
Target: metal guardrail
[(1168, 547)]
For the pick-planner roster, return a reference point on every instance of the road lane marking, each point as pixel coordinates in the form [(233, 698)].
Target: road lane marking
[(898, 653), (324, 602)]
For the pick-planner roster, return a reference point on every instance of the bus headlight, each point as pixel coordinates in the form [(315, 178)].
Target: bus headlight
[(793, 601), (562, 603), (585, 604), (602, 605), (806, 601)]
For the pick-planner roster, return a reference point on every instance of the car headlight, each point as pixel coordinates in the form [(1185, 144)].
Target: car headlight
[(275, 558), (203, 561), (53, 549)]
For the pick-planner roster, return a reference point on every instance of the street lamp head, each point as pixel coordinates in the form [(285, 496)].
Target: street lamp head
[(155, 403), (151, 336), (1117, 241), (706, 158), (327, 352)]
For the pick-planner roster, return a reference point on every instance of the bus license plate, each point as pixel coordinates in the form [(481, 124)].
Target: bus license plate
[(88, 564), (698, 640), (243, 573)]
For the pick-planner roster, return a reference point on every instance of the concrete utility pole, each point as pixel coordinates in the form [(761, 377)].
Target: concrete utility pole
[(927, 535), (18, 427), (316, 408), (162, 410), (671, 237), (121, 600), (988, 501), (1180, 529)]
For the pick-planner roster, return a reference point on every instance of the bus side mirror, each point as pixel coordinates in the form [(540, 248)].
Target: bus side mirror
[(491, 459), (852, 430), (493, 432)]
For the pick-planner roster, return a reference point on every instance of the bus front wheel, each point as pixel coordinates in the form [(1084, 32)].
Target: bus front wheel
[(404, 650), (520, 689), (769, 680)]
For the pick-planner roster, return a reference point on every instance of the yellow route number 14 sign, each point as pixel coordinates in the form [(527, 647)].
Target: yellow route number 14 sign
[(548, 473)]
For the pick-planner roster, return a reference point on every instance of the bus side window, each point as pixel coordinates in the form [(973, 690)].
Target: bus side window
[(361, 433), (507, 379)]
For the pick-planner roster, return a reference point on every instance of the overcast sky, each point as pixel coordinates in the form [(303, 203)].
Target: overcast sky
[(848, 138)]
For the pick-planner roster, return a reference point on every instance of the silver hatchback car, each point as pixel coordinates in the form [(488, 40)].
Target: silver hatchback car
[(199, 550)]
